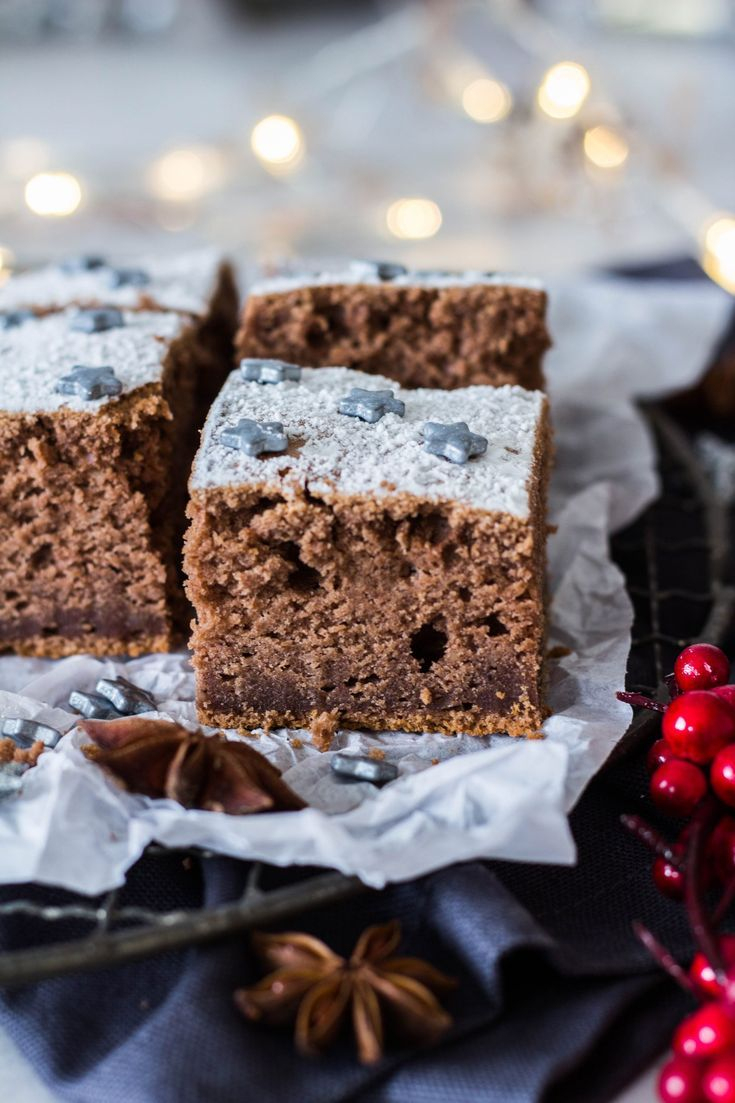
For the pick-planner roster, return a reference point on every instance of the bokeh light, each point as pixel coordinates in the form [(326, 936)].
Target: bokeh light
[(605, 147), (53, 194), (718, 252), (486, 100), (413, 218), (181, 175), (7, 259), (563, 90), (278, 143)]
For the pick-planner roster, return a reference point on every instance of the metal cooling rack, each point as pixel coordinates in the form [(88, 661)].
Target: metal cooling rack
[(675, 560)]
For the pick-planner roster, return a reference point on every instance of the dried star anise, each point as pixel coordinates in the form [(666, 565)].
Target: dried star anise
[(161, 759), (321, 991)]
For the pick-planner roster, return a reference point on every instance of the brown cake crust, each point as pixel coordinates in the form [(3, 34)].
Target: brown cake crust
[(391, 613), (421, 336)]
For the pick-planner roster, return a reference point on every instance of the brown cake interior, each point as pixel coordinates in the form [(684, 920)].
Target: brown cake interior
[(393, 613), (92, 512), (421, 336)]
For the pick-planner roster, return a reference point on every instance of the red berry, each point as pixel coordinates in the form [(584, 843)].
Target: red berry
[(718, 1081), (668, 879), (677, 787), (701, 666), (702, 972), (727, 693), (722, 774), (680, 1082), (706, 1033), (697, 725), (659, 754)]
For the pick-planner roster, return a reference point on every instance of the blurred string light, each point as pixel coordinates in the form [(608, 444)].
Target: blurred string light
[(53, 194), (413, 218), (718, 250), (7, 259), (563, 90), (183, 175), (605, 147), (487, 100), (278, 143)]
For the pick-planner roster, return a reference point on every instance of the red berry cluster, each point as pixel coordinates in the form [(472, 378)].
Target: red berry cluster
[(693, 775)]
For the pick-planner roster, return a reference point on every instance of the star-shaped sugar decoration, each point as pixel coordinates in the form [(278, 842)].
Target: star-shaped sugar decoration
[(269, 371), (128, 277), (96, 321), (370, 405), (89, 383), (455, 442), (386, 270), (9, 319), (255, 437), (25, 733), (86, 263)]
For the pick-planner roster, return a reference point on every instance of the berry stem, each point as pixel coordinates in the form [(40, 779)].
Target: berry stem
[(664, 958), (641, 701), (703, 822), (724, 903), (651, 838), (671, 685)]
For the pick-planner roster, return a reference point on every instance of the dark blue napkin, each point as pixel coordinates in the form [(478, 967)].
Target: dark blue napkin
[(556, 1002)]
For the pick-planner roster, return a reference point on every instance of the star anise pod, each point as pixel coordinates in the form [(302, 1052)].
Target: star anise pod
[(322, 991), (161, 759)]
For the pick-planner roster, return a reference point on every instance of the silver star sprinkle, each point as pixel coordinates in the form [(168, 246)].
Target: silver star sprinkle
[(371, 405), (128, 277), (9, 319), (92, 706), (386, 270), (11, 778), (255, 437), (454, 441), (355, 767), (72, 265), (127, 698), (269, 371), (96, 321), (89, 383), (25, 733)]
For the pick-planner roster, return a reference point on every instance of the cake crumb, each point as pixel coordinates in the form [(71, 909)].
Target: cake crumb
[(435, 762), (377, 753), (296, 743), (558, 652), (500, 694), (322, 729), (11, 752), (426, 695)]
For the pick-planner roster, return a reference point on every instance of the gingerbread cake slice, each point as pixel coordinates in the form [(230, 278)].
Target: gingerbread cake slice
[(423, 329), (199, 285), (98, 418), (369, 553)]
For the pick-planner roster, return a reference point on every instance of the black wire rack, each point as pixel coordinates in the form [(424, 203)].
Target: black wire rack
[(675, 560)]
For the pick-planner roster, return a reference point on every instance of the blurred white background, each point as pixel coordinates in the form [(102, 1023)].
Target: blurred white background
[(152, 109)]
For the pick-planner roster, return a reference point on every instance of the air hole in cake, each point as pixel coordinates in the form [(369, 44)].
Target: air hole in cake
[(303, 577), (327, 688), (449, 555), (431, 528), (407, 569), (428, 646), (41, 556), (494, 625), (463, 593)]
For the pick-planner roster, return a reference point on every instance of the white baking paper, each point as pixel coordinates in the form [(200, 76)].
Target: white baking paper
[(456, 798)]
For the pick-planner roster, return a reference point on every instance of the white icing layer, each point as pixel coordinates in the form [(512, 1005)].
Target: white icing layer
[(363, 272), (184, 282), (348, 456), (34, 356)]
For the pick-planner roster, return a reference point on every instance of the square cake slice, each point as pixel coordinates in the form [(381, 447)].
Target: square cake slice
[(199, 285), (97, 430), (423, 329), (337, 566)]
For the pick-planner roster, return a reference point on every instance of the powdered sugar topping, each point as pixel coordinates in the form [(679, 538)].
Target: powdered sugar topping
[(366, 272), (36, 354), (332, 453), (183, 282)]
